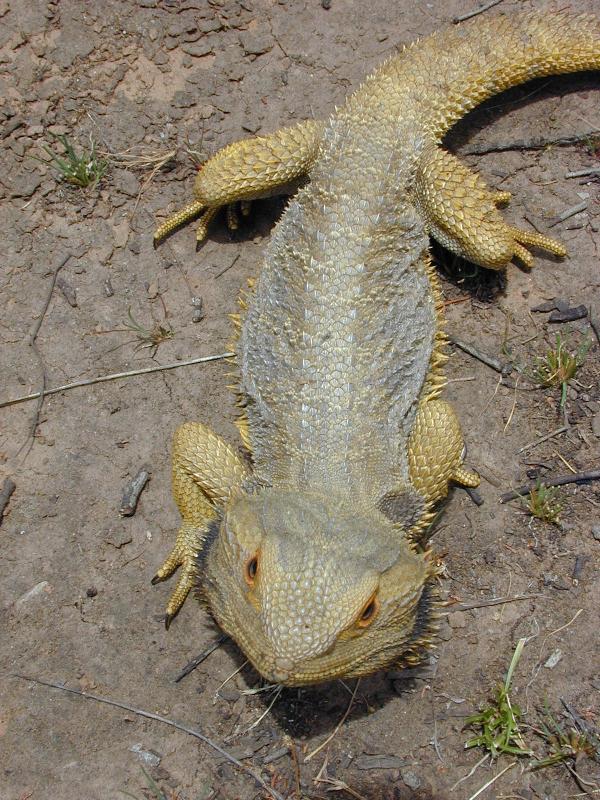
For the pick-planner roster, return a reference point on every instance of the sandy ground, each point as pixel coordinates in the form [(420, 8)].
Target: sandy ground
[(76, 605)]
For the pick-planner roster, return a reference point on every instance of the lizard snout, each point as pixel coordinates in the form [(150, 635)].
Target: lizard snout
[(282, 669)]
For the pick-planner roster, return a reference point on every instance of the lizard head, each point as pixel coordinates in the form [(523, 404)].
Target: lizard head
[(312, 590)]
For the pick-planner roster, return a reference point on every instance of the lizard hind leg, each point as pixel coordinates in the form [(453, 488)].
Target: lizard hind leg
[(248, 170), (462, 214)]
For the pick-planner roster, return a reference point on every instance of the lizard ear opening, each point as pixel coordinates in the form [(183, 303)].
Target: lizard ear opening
[(403, 506)]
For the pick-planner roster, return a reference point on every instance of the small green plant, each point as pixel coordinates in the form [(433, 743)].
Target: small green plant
[(562, 745), (559, 366), (544, 504), (498, 724), (83, 170), (149, 337)]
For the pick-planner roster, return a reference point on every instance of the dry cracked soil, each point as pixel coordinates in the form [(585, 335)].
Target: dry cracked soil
[(184, 77)]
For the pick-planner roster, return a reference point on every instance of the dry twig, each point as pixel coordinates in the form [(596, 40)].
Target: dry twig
[(8, 487), (489, 361), (132, 492), (195, 662), (538, 143), (31, 341), (337, 727), (116, 376), (477, 11), (560, 480), (166, 721), (495, 601)]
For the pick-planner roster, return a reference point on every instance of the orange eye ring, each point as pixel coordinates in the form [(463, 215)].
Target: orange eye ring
[(369, 612), (251, 570)]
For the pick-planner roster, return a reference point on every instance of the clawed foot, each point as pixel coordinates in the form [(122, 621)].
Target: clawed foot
[(206, 214), (521, 238), (184, 555)]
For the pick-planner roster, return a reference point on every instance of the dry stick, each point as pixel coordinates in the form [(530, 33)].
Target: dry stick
[(165, 720), (195, 662), (584, 173), (561, 480), (594, 323), (491, 781), (545, 438), (538, 143), (8, 487), (337, 727), (495, 601), (226, 269), (477, 11), (31, 341), (489, 361), (569, 212), (116, 376), (579, 722)]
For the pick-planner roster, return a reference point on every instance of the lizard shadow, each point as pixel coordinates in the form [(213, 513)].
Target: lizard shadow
[(523, 96), (303, 712)]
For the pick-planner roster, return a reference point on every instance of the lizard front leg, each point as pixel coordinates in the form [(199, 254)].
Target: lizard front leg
[(247, 170), (462, 214), (205, 471), (436, 451)]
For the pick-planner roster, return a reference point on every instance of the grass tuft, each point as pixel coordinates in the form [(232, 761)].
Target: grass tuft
[(543, 503), (83, 170), (563, 745), (559, 366), (497, 725)]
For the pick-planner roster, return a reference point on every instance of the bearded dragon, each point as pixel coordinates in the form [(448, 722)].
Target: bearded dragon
[(311, 553)]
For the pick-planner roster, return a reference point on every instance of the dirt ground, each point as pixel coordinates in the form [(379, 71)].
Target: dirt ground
[(76, 605)]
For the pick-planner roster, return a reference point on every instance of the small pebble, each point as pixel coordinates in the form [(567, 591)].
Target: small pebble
[(553, 659)]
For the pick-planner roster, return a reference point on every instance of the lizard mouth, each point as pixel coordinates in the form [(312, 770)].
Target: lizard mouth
[(404, 648)]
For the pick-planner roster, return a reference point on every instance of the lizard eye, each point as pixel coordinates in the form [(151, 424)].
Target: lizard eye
[(250, 570), (368, 613)]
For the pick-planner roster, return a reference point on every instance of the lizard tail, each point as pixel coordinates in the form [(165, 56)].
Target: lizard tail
[(474, 62)]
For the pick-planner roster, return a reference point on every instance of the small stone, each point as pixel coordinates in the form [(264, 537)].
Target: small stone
[(183, 100), (553, 659), (67, 291), (91, 591), (36, 591), (410, 778), (596, 532), (230, 694), (255, 44), (148, 757), (379, 762), (118, 538), (197, 49), (23, 184), (126, 182), (596, 425)]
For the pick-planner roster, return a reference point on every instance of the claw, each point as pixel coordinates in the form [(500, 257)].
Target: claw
[(502, 198), (175, 221), (536, 240), (202, 230), (233, 222)]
